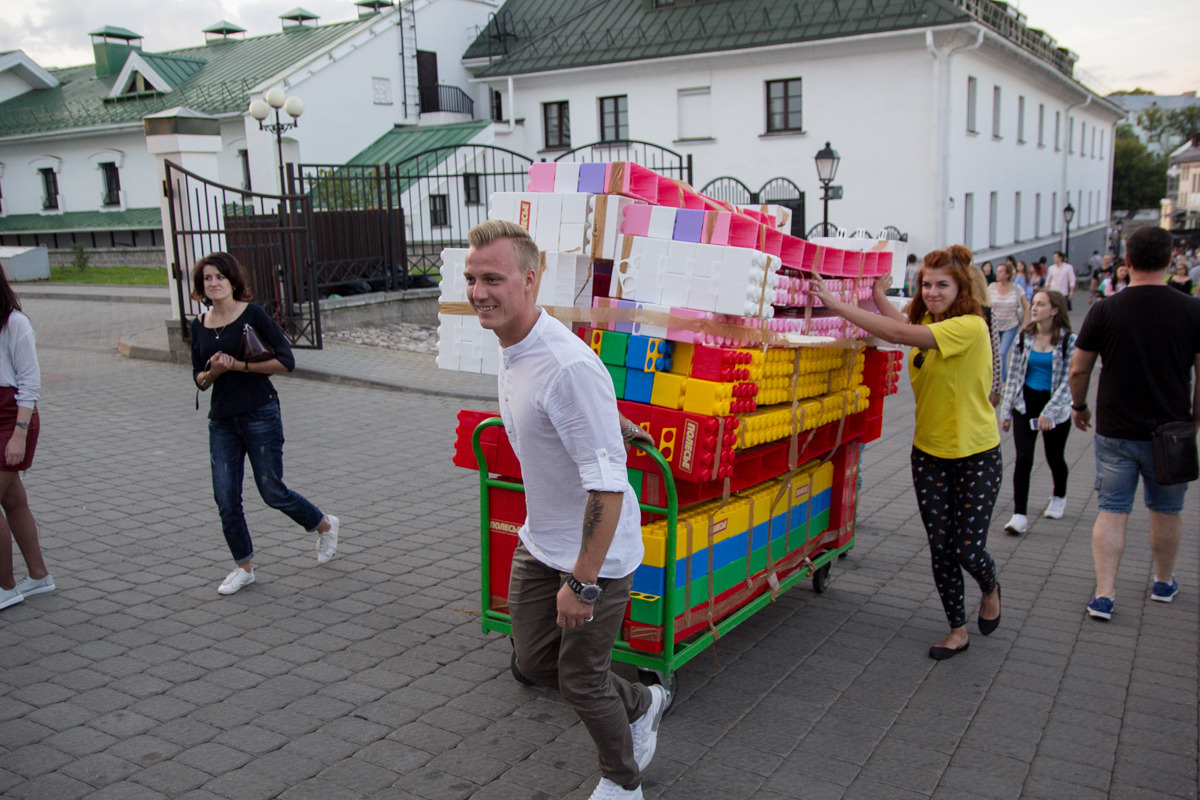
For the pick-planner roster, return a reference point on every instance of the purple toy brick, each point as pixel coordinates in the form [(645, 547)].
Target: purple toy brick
[(689, 225)]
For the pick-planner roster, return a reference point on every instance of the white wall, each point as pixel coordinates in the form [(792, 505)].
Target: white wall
[(837, 82), (80, 182), (876, 100), (982, 163)]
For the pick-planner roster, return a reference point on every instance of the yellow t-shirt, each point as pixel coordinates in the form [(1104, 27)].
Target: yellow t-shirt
[(954, 417)]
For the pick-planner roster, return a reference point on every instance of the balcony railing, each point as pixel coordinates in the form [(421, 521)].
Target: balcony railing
[(441, 97)]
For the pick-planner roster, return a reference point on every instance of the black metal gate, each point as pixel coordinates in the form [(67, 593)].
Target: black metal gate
[(357, 226), (445, 193), (662, 160), (779, 191), (268, 234)]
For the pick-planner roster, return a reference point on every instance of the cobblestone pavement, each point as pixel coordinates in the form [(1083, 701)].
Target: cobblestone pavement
[(369, 677)]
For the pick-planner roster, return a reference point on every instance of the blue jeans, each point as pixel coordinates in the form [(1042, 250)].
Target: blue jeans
[(258, 434), (1119, 462), (1006, 342)]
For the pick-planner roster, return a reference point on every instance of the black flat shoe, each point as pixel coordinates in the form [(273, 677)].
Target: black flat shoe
[(942, 653), (988, 626)]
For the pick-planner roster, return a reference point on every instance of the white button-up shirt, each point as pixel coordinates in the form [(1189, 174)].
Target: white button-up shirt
[(560, 414)]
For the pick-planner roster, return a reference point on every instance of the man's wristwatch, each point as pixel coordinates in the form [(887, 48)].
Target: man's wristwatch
[(1080, 407), (586, 592)]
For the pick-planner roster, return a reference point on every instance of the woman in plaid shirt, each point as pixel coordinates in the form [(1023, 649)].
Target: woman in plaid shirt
[(1037, 398)]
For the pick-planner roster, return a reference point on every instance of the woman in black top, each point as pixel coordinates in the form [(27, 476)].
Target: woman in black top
[(243, 418), (1179, 278)]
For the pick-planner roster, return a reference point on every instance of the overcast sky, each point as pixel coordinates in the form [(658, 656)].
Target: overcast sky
[(1121, 44)]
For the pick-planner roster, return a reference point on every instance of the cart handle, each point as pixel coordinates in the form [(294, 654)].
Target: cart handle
[(671, 511)]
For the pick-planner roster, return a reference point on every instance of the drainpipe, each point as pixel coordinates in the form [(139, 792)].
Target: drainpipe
[(512, 107), (1067, 160), (941, 154)]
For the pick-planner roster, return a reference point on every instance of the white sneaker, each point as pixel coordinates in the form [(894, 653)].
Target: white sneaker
[(29, 587), (327, 541), (607, 790), (645, 728), (1018, 525), (1056, 508), (236, 580), (10, 597)]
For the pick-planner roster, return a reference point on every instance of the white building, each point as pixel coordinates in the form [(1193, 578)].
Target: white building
[(954, 121), (73, 160)]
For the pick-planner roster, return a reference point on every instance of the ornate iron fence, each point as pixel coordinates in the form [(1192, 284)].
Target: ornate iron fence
[(268, 234)]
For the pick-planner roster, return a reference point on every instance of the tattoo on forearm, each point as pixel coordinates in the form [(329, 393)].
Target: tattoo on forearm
[(592, 515)]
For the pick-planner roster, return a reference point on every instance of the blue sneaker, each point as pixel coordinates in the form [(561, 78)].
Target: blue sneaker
[(1100, 607), (1164, 592)]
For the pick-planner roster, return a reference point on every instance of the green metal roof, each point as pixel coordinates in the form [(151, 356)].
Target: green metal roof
[(401, 144), (174, 69), (127, 220), (221, 85), (527, 36)]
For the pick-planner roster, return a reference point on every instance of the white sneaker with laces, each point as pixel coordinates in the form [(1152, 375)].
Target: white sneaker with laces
[(235, 580), (10, 597), (645, 728), (327, 541), (1018, 525), (1056, 508), (607, 790), (29, 586)]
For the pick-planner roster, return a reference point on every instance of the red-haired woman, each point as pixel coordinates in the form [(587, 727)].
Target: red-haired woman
[(20, 382), (243, 417), (956, 462)]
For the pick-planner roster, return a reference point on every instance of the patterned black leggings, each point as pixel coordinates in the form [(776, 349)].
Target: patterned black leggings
[(956, 496)]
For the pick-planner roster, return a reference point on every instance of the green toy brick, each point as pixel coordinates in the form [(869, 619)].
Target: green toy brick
[(618, 378), (613, 348)]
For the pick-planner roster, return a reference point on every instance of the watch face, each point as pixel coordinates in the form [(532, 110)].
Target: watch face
[(589, 593)]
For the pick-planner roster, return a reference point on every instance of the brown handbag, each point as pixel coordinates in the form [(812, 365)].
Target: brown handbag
[(252, 348)]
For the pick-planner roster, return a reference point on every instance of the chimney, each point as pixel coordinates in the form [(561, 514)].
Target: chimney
[(298, 18), (111, 46), (222, 31)]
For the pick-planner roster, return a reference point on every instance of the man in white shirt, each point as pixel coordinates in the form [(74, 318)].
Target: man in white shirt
[(582, 537), (1061, 277)]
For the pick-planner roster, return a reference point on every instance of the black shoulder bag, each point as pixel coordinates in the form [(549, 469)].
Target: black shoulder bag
[(1175, 457)]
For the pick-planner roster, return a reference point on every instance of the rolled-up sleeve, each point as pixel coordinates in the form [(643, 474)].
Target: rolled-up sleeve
[(25, 365), (582, 407)]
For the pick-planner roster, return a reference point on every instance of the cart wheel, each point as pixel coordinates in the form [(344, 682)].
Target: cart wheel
[(821, 579), (512, 667), (650, 677), (842, 555)]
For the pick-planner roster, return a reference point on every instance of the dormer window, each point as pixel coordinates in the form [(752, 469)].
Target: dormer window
[(137, 84)]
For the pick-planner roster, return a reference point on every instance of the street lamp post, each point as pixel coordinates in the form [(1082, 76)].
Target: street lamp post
[(827, 163), (1068, 215), (260, 109)]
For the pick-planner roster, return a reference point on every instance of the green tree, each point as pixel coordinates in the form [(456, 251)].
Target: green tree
[(1138, 90), (1156, 124), (1139, 176), (1183, 122)]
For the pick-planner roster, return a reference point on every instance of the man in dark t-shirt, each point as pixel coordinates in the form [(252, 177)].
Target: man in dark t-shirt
[(1149, 343)]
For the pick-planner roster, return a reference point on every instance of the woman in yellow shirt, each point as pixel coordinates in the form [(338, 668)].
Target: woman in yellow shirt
[(956, 462)]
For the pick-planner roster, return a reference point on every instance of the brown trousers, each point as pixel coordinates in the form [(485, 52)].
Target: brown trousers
[(577, 661)]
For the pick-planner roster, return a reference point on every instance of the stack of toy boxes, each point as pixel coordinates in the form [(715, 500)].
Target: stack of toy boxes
[(704, 317)]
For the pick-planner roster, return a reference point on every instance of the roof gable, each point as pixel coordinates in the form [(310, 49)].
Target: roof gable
[(160, 71), (541, 35), (28, 70), (228, 72)]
